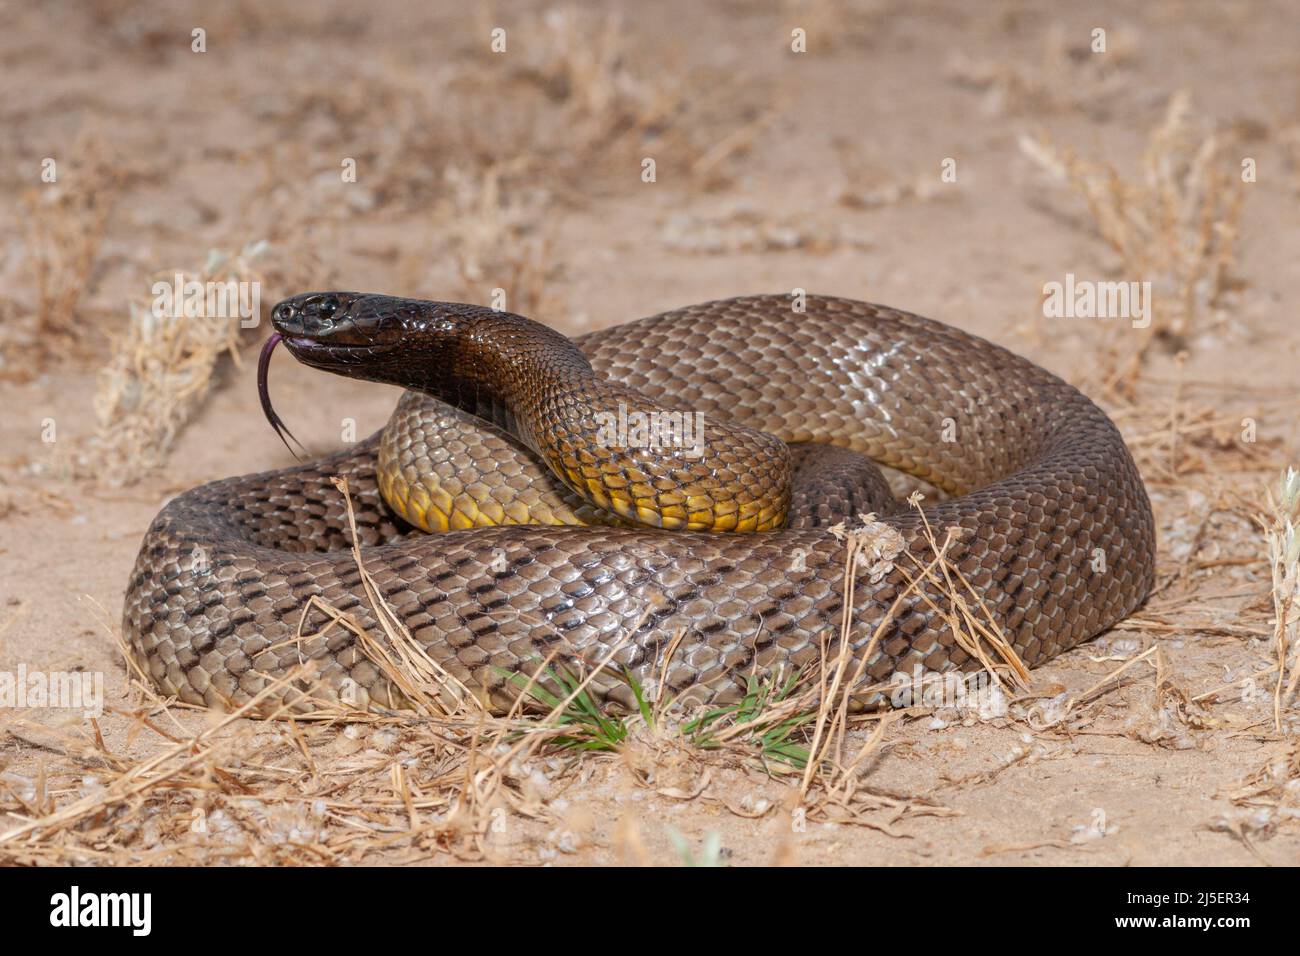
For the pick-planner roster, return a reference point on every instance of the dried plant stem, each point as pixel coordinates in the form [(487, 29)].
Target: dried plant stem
[(1281, 525)]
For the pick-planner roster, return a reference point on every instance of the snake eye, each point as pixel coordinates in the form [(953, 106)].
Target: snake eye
[(328, 306)]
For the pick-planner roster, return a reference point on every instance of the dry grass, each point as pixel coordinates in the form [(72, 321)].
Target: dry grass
[(162, 365), (869, 186), (832, 26), (739, 227), (160, 372), (1173, 225), (613, 108), (1068, 76), (570, 96), (63, 225), (501, 235), (1269, 799), (1281, 526)]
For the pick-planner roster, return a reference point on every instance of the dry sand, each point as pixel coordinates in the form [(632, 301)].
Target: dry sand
[(753, 155)]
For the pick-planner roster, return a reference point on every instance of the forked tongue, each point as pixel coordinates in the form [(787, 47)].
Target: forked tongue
[(263, 393)]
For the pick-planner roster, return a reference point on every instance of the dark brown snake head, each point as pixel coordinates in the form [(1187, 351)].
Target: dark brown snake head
[(338, 331), (380, 338), (356, 334)]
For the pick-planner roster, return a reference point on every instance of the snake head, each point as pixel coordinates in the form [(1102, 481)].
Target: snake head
[(380, 338), (350, 332), (358, 335), (336, 331), (325, 318)]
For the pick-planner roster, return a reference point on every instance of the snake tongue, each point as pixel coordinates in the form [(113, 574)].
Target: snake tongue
[(264, 393)]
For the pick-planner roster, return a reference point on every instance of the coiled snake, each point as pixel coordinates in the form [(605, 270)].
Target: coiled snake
[(504, 424)]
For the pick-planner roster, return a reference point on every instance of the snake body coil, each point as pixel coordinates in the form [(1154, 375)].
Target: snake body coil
[(1057, 540)]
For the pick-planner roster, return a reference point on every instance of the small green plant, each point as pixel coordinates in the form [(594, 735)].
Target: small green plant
[(771, 737), (593, 729)]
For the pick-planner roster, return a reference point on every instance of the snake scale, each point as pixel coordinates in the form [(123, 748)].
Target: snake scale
[(1056, 538)]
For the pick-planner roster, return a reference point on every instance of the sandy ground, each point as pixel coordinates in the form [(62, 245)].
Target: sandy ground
[(244, 142)]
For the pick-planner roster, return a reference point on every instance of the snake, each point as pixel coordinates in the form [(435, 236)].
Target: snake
[(671, 503)]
